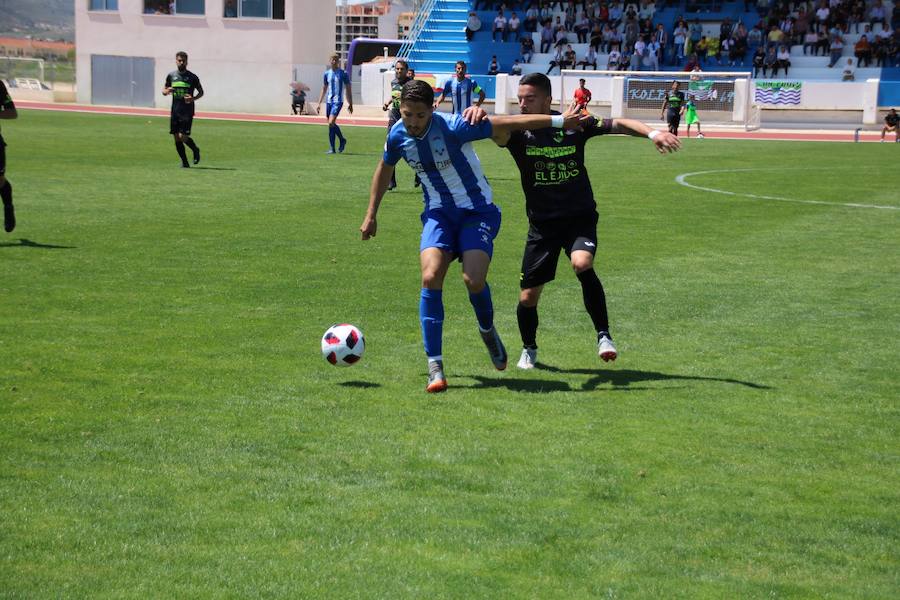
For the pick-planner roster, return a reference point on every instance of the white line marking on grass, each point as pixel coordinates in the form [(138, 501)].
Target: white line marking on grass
[(682, 180)]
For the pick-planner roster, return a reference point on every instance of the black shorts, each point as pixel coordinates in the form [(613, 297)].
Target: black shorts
[(181, 124), (2, 156), (673, 117), (544, 242)]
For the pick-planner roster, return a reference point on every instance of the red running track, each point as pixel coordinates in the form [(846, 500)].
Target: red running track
[(781, 135)]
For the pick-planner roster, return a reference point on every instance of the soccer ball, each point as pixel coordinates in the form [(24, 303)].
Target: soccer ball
[(343, 345)]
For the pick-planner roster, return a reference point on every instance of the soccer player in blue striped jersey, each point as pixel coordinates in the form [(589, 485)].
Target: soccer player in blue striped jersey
[(460, 219), (460, 90), (333, 83)]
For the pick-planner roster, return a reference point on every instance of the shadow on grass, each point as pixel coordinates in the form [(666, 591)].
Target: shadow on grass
[(360, 384), (215, 168), (23, 243), (626, 377)]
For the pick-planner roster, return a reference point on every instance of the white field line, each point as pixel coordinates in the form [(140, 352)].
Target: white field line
[(682, 180)]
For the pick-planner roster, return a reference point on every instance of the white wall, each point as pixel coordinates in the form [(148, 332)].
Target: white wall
[(245, 65)]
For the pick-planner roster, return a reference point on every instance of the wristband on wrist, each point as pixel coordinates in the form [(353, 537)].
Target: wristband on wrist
[(557, 121), (653, 134)]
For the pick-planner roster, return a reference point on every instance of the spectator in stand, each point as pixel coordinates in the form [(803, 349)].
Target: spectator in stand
[(755, 36), (634, 60), (762, 7), (640, 50), (546, 37), (712, 51), (631, 30), (625, 58), (784, 60), (561, 38), (531, 18), (599, 37), (546, 12), (787, 30), (823, 43), (558, 61), (583, 28), (837, 48), (499, 27), (615, 14), (849, 72), (512, 26), (725, 29), (693, 63), (678, 38), (700, 49), (801, 23), (863, 52), (516, 68), (775, 36), (810, 42), (877, 14), (696, 33), (822, 15), (569, 57), (527, 48), (857, 15), (726, 50), (473, 24), (661, 38), (612, 61), (651, 55), (739, 51), (493, 66), (759, 62), (590, 58), (647, 10), (771, 63)]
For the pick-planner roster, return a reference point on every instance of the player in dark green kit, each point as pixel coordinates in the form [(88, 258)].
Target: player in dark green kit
[(401, 76), (185, 89), (562, 213), (7, 111), (673, 107)]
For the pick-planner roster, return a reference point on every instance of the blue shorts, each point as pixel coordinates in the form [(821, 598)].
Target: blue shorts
[(458, 230), (333, 108)]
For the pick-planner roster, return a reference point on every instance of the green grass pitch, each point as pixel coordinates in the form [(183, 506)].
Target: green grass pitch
[(168, 427)]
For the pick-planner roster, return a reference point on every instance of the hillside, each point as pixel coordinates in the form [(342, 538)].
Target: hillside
[(50, 19)]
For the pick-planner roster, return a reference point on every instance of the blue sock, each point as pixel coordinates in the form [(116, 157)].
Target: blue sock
[(337, 132), (331, 137), (484, 307), (431, 314)]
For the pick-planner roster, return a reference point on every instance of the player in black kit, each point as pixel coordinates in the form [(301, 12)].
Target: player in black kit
[(674, 102), (559, 202), (185, 89), (7, 111), (891, 123)]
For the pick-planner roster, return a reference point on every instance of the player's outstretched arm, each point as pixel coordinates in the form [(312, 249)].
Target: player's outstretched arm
[(503, 125), (321, 97), (663, 140), (380, 181)]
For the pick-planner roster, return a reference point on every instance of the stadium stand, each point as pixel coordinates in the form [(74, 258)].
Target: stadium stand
[(443, 40)]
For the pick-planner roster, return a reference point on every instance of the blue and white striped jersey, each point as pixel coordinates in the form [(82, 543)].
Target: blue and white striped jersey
[(461, 92), (444, 160), (335, 80)]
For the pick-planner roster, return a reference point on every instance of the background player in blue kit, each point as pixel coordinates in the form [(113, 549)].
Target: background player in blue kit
[(185, 89), (460, 90), (460, 219), (333, 83)]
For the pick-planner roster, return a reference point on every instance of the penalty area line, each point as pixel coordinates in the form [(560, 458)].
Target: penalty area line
[(682, 180)]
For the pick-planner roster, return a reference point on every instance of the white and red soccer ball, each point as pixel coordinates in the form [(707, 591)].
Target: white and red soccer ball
[(343, 345)]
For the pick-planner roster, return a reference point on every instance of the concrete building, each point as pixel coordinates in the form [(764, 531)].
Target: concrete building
[(246, 52)]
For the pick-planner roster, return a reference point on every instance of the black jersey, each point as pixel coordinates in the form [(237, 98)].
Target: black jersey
[(551, 164), (396, 88), (675, 100), (182, 83), (891, 120), (6, 101)]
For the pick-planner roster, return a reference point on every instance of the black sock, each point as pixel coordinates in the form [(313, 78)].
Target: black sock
[(594, 299), (179, 146), (6, 193), (190, 144), (528, 324)]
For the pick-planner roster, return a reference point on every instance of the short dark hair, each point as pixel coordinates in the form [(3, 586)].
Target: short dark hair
[(181, 54), (417, 91), (538, 80), (461, 62), (402, 62)]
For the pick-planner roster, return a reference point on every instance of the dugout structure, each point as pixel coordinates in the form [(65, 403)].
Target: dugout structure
[(722, 98)]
